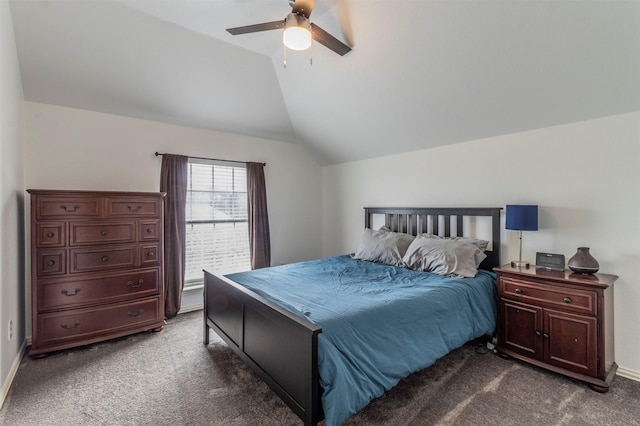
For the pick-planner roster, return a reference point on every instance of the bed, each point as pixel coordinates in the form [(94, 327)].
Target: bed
[(317, 353)]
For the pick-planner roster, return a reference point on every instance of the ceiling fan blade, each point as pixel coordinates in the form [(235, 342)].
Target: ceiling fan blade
[(303, 7), (257, 27), (329, 41)]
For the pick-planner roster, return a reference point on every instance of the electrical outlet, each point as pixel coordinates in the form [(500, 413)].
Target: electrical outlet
[(10, 329)]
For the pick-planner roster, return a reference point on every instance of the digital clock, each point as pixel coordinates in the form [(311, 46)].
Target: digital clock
[(550, 261)]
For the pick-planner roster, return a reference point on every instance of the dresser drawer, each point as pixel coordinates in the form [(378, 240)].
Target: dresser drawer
[(98, 259), (66, 207), (50, 234), (569, 299), (150, 254), (149, 230), (84, 324), (134, 207), (51, 262), (55, 294), (86, 233)]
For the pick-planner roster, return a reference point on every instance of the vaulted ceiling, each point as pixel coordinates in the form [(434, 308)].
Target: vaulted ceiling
[(421, 73)]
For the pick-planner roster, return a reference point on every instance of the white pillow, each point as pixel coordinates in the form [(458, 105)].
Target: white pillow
[(443, 256), (383, 246)]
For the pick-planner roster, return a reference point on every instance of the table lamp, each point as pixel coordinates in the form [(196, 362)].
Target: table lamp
[(521, 218)]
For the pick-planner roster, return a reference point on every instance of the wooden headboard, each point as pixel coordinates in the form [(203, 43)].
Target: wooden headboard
[(445, 222)]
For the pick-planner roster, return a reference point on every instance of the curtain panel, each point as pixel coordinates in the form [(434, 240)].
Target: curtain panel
[(173, 181), (259, 237)]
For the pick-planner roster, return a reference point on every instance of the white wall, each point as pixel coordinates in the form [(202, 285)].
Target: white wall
[(12, 247), (585, 177), (78, 149)]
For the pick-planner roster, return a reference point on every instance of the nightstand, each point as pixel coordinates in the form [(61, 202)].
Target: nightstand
[(558, 320)]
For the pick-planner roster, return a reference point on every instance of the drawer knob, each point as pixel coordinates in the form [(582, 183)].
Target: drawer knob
[(133, 315), (150, 254), (105, 258), (134, 208), (50, 235), (545, 335), (517, 290), (567, 300), (51, 263), (538, 333), (66, 293), (134, 284), (66, 327), (70, 209), (149, 230), (103, 233)]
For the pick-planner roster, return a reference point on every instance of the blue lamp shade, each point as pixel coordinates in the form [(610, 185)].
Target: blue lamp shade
[(522, 218)]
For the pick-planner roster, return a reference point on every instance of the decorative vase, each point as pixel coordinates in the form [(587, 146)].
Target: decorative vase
[(583, 263)]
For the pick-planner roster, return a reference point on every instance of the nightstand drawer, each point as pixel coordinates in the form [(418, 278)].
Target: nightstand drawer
[(569, 299)]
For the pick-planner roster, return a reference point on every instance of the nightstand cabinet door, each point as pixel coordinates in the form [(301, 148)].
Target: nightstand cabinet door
[(571, 342), (521, 328)]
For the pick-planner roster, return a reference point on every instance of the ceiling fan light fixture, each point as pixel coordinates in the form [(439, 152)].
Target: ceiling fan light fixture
[(297, 32)]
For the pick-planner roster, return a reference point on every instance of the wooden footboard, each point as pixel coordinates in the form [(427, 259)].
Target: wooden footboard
[(281, 347)]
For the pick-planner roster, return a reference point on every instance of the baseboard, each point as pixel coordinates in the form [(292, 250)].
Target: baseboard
[(192, 299), (629, 374), (192, 308), (12, 373)]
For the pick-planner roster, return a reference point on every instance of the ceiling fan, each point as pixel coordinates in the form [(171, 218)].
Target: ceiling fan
[(298, 30)]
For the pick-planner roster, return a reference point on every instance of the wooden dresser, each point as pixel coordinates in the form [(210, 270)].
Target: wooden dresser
[(96, 266), (558, 320)]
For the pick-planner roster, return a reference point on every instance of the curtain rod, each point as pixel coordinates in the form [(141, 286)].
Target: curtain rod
[(205, 158)]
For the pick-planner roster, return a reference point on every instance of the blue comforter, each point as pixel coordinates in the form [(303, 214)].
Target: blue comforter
[(379, 323)]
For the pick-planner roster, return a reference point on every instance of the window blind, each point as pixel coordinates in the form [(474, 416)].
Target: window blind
[(217, 235)]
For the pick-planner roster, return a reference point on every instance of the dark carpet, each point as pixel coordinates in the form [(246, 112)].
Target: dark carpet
[(171, 378)]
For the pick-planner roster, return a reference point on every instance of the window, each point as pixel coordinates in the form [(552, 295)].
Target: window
[(217, 235)]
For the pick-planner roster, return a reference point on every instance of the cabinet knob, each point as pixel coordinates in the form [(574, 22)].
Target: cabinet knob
[(151, 254), (103, 233), (517, 290), (538, 333), (50, 235), (134, 208), (51, 263), (105, 258), (149, 230), (567, 300), (545, 335)]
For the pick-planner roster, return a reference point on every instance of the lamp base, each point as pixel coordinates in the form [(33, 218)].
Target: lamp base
[(520, 264)]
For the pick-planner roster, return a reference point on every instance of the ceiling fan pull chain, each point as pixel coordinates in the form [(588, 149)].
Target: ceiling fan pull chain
[(284, 55), (311, 55)]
